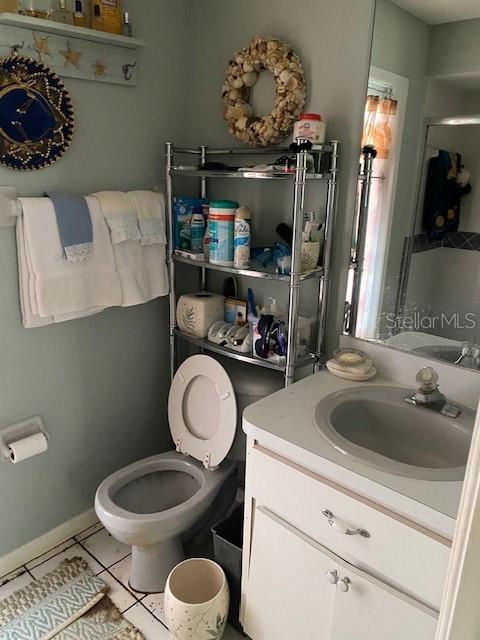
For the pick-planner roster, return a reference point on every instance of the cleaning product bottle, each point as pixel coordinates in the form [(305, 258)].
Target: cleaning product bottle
[(197, 229), (241, 239)]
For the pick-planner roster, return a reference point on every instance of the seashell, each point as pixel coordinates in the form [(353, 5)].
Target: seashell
[(237, 83), (248, 67), (239, 58), (285, 76), (241, 123), (249, 79)]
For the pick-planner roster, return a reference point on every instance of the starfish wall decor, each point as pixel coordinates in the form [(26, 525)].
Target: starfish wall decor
[(72, 58), (100, 68), (40, 46)]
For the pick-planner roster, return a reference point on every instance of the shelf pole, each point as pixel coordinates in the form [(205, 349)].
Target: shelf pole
[(171, 264), (324, 287), (369, 155), (294, 286), (203, 194)]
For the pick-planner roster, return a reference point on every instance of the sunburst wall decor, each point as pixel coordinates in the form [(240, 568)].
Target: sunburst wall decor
[(36, 115)]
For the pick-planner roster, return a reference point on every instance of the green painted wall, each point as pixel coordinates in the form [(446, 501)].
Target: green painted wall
[(333, 39), (99, 383), (455, 48)]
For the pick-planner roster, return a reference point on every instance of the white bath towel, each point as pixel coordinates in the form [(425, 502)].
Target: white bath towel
[(142, 271), (27, 290), (117, 208), (58, 288), (149, 208)]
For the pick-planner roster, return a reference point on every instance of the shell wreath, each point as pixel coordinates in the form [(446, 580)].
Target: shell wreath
[(278, 57)]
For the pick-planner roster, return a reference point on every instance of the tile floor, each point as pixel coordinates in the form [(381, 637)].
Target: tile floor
[(110, 560)]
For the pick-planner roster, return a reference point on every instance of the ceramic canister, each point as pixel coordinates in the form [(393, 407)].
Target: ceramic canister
[(197, 599), (221, 224)]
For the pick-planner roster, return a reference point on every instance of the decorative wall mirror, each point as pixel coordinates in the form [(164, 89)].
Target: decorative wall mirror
[(415, 266)]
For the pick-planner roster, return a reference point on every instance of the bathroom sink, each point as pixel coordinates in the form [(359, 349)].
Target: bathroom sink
[(376, 426)]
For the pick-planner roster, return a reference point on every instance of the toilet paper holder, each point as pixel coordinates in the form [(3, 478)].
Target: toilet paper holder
[(17, 431)]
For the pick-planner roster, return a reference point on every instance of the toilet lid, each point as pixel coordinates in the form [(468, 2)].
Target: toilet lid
[(202, 410)]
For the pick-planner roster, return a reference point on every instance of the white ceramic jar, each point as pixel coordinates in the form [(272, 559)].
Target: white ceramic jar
[(196, 312), (310, 127), (197, 599)]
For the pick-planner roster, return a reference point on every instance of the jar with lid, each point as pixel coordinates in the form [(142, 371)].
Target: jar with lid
[(310, 127)]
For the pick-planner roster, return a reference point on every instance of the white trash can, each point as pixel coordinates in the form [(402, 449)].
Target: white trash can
[(197, 600)]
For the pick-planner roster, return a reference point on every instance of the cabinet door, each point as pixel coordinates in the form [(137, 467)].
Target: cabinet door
[(370, 610), (288, 593)]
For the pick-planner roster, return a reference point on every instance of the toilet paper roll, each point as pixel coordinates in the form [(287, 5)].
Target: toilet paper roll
[(28, 447)]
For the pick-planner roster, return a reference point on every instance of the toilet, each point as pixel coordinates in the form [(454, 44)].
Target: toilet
[(149, 504)]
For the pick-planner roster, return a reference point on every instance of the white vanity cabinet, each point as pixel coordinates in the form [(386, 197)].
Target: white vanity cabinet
[(297, 589), (306, 575)]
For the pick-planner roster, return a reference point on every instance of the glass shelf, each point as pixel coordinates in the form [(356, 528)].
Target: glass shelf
[(249, 273), (203, 343), (255, 175)]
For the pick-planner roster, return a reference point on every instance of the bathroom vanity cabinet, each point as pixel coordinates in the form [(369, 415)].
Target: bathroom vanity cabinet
[(321, 561)]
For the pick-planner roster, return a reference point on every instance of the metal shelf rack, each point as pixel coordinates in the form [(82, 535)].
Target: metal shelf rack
[(299, 178)]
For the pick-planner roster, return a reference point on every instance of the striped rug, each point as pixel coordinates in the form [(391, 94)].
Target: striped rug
[(67, 604)]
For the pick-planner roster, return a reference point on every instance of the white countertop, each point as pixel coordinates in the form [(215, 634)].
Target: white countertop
[(284, 423)]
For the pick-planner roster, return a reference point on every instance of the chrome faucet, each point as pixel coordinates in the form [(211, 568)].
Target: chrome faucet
[(470, 356), (429, 396)]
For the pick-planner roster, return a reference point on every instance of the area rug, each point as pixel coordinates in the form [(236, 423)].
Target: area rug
[(67, 604)]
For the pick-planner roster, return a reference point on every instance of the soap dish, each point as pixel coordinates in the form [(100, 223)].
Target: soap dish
[(350, 373)]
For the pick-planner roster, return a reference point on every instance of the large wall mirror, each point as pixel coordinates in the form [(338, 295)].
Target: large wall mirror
[(415, 267)]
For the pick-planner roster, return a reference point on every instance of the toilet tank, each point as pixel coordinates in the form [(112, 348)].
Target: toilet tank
[(250, 384)]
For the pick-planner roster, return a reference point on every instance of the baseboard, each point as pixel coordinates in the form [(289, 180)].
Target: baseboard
[(41, 545)]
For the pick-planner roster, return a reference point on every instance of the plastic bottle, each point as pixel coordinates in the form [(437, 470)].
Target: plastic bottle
[(221, 222), (241, 239), (197, 229)]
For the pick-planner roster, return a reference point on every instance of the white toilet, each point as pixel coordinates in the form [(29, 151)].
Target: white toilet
[(150, 503)]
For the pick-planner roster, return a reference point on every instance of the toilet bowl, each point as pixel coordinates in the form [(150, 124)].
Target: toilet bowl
[(150, 503)]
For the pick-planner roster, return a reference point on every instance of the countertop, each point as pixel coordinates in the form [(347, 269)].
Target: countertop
[(284, 423)]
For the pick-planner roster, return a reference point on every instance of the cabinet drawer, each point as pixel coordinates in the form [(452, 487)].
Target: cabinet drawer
[(388, 546)]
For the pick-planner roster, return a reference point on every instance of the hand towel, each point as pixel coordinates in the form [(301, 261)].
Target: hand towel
[(74, 225), (27, 290), (142, 270), (57, 286), (117, 208), (149, 208)]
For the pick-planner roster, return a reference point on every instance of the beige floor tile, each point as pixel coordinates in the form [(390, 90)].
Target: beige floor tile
[(75, 551), (21, 580), (105, 548), (151, 628), (50, 554), (121, 597), (122, 570), (89, 532), (154, 603)]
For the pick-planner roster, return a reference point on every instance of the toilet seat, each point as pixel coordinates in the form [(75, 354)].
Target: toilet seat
[(202, 410)]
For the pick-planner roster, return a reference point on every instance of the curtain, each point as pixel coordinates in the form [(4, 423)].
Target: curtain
[(379, 123)]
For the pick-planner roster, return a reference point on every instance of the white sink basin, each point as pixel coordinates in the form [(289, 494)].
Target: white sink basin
[(377, 427)]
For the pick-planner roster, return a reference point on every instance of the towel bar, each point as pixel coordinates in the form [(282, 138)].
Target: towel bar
[(10, 207)]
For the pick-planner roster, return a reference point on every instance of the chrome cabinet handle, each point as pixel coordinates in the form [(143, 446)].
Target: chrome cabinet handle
[(332, 576), (344, 584), (343, 527)]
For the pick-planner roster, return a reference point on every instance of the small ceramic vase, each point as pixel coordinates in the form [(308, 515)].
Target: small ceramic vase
[(197, 599)]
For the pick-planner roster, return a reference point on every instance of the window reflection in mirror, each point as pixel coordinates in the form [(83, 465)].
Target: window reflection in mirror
[(414, 280)]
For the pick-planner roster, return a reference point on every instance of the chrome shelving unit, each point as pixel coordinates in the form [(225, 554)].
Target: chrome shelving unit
[(299, 178)]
